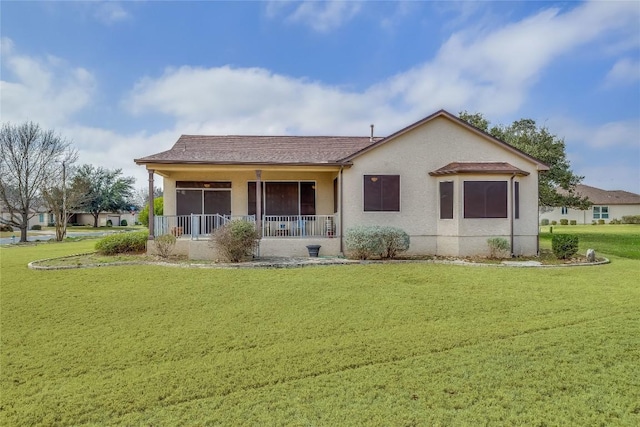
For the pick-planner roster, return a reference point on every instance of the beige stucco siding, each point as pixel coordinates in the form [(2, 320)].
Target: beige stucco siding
[(425, 149)]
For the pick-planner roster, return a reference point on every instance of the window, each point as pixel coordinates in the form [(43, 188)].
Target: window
[(485, 199), (41, 218), (283, 198), (601, 212), (564, 210), (516, 200), (382, 193), (446, 200)]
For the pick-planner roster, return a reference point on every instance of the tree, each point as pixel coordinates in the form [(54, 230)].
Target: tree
[(29, 156), (66, 194), (556, 186), (108, 191), (141, 196), (158, 209)]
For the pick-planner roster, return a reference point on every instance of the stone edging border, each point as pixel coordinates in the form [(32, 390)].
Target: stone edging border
[(293, 263)]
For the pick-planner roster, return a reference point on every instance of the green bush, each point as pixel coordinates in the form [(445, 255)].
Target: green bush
[(165, 245), (236, 240), (544, 221), (36, 227), (564, 221), (109, 223), (601, 221), (615, 221), (573, 222), (5, 227), (368, 241), (498, 247), (158, 209), (123, 243), (364, 241), (564, 246), (554, 222), (123, 223), (631, 219)]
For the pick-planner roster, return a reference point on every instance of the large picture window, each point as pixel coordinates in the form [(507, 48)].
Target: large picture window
[(446, 200), (382, 193), (485, 199)]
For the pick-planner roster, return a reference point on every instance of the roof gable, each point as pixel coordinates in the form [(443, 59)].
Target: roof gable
[(445, 114)]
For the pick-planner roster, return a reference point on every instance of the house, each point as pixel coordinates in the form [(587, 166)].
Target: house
[(40, 217), (449, 185), (607, 205)]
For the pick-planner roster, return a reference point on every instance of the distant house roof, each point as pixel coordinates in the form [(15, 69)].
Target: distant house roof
[(598, 196), (237, 149), (293, 150), (478, 168)]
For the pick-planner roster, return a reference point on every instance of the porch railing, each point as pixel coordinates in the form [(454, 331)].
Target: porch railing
[(193, 225), (299, 226)]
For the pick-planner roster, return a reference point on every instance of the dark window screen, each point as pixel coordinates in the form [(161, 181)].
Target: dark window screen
[(485, 199), (382, 193), (446, 200)]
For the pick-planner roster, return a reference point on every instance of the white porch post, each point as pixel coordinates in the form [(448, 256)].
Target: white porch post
[(259, 201), (151, 237)]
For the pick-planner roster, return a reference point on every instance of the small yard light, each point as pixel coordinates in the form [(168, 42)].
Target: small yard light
[(13, 238)]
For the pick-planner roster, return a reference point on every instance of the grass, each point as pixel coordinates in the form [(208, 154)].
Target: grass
[(619, 240), (396, 344)]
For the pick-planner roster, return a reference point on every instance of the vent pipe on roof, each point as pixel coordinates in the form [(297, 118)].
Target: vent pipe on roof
[(371, 137)]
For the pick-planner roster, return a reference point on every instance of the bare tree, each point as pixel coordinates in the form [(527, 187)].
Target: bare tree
[(66, 193), (28, 157)]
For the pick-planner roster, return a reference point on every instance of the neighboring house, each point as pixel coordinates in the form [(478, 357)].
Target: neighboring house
[(607, 205), (41, 218), (449, 185), (85, 218)]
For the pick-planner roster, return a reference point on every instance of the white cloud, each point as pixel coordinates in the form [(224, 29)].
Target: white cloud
[(47, 90), (623, 72), (111, 12), (320, 16), (609, 135)]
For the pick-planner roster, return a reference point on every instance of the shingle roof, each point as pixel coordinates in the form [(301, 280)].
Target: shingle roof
[(479, 167), (237, 149), (598, 196)]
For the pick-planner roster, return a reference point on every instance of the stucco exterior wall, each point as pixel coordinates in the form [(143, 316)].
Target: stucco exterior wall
[(586, 216), (422, 150)]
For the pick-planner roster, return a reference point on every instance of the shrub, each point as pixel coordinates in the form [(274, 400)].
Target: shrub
[(573, 222), (165, 245), (600, 221), (544, 221), (235, 240), (564, 246), (631, 219), (109, 223), (123, 223), (554, 222), (367, 241), (123, 243), (5, 227), (564, 221), (615, 221), (36, 227), (498, 247), (364, 241)]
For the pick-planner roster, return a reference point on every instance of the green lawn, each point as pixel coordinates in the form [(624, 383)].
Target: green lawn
[(396, 344)]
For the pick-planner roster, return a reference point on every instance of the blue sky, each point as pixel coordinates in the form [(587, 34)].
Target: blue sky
[(124, 79)]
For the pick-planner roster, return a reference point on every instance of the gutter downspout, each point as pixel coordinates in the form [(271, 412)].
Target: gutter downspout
[(512, 213), (340, 212)]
